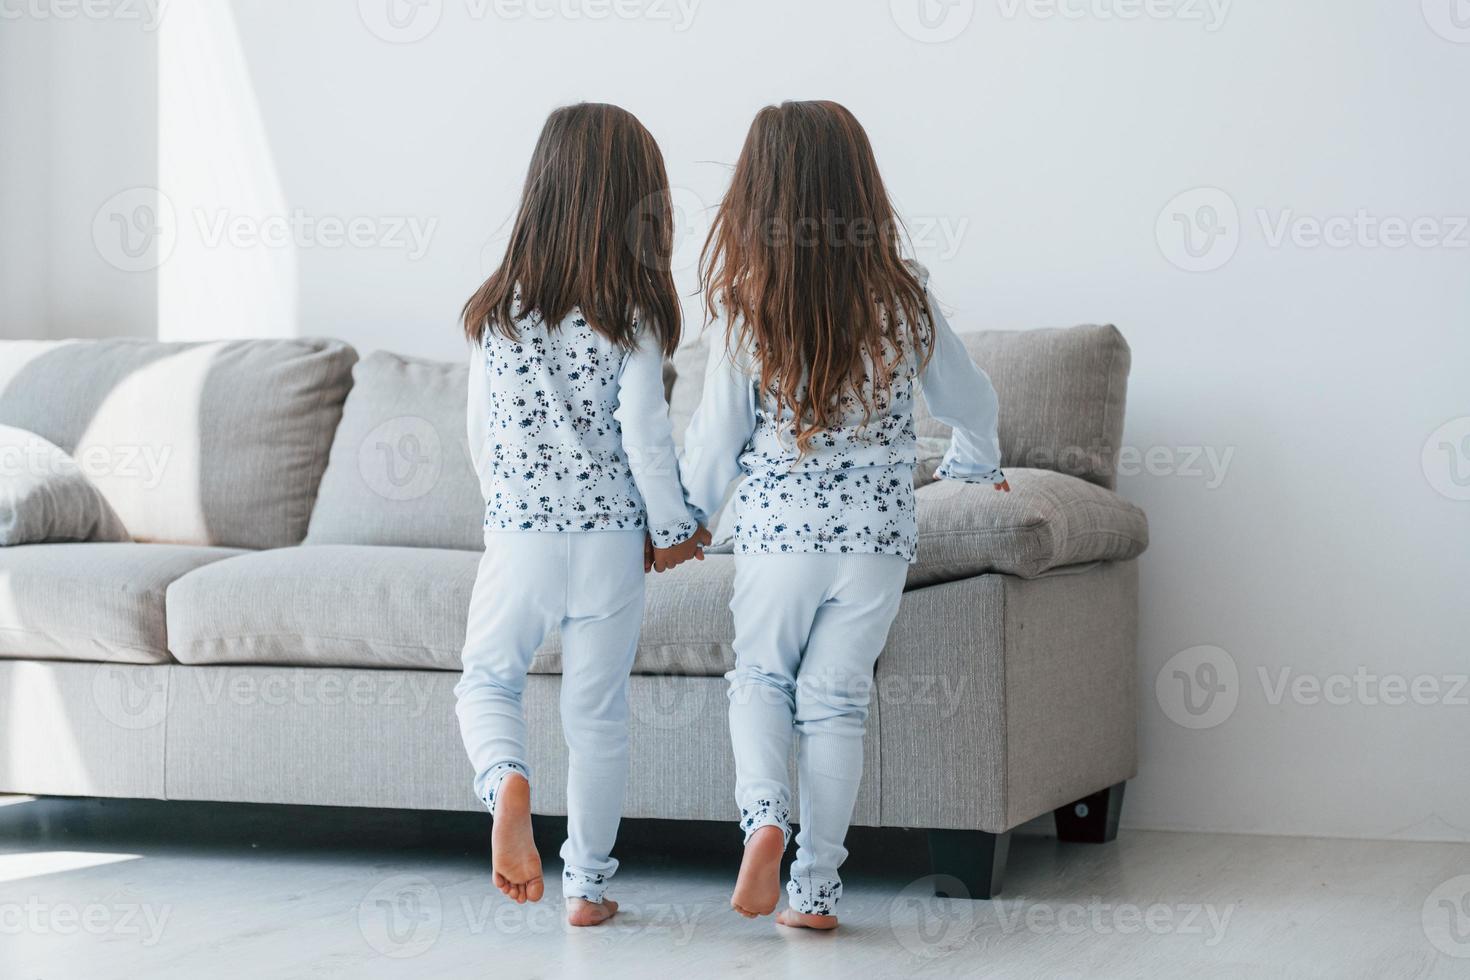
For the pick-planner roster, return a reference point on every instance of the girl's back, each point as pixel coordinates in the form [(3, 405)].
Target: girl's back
[(555, 459)]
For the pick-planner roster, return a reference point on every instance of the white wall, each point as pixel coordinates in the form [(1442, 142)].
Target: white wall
[(1323, 542), (24, 153)]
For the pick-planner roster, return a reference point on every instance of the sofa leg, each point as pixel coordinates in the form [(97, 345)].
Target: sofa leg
[(1092, 819), (974, 858)]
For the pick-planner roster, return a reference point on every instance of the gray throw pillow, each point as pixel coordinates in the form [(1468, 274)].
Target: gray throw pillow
[(45, 496)]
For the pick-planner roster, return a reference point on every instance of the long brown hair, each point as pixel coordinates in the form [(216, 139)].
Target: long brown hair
[(594, 230), (804, 259)]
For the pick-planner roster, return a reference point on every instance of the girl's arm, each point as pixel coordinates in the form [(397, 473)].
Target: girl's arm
[(960, 395), (477, 415), (719, 432), (648, 441)]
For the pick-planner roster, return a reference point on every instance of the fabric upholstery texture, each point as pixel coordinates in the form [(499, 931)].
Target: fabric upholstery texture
[(45, 496), (996, 700), (1011, 698), (302, 735), (400, 471), (219, 443), (83, 729), (1048, 520), (359, 606), (326, 605), (95, 601)]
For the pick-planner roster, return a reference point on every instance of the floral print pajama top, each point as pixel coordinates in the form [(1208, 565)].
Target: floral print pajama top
[(569, 432)]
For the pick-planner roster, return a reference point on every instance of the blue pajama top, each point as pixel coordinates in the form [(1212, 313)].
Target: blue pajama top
[(569, 432), (853, 490)]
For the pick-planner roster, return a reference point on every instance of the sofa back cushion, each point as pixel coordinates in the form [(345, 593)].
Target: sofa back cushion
[(400, 471), (219, 443), (1062, 395)]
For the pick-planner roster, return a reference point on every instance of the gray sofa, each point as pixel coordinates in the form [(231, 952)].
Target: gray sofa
[(286, 625)]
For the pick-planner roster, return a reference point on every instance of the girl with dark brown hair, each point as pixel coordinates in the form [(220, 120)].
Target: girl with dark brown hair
[(824, 335), (571, 438)]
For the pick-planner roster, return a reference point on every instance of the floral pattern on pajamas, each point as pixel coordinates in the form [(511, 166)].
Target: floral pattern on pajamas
[(766, 813), (495, 776), (813, 896), (571, 433), (580, 884)]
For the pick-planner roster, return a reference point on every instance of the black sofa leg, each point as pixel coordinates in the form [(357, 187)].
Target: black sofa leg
[(1092, 819), (968, 863)]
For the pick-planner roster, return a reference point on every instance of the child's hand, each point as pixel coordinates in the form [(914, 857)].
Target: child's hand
[(667, 558), (1004, 485), (647, 554)]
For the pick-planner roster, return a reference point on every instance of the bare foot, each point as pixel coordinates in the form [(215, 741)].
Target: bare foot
[(581, 912), (512, 846), (758, 888), (801, 920)]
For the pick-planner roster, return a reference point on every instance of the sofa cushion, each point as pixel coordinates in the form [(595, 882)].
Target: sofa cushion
[(45, 496), (91, 601), (1062, 394), (218, 443), (1047, 521), (356, 606), (400, 471)]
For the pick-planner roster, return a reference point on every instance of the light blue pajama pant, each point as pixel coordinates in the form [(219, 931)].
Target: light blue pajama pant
[(808, 630), (590, 585)]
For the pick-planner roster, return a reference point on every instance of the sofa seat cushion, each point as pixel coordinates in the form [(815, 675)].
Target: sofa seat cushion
[(325, 605), (360, 606), (92, 601), (1048, 520)]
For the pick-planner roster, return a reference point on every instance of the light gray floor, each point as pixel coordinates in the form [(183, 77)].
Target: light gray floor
[(126, 889)]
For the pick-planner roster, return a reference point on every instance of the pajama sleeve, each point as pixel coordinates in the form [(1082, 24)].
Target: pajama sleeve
[(960, 395), (719, 433), (648, 442), (477, 417)]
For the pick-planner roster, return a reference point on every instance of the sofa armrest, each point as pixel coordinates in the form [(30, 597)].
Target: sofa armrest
[(1048, 520)]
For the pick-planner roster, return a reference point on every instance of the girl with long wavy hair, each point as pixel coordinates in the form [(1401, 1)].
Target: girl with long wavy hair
[(824, 337)]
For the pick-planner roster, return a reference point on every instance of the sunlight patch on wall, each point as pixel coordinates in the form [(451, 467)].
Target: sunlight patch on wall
[(233, 271)]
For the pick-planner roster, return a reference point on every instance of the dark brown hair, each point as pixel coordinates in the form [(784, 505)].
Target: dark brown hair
[(594, 230), (805, 261)]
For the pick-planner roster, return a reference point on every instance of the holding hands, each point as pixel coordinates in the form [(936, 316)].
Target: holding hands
[(663, 559)]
